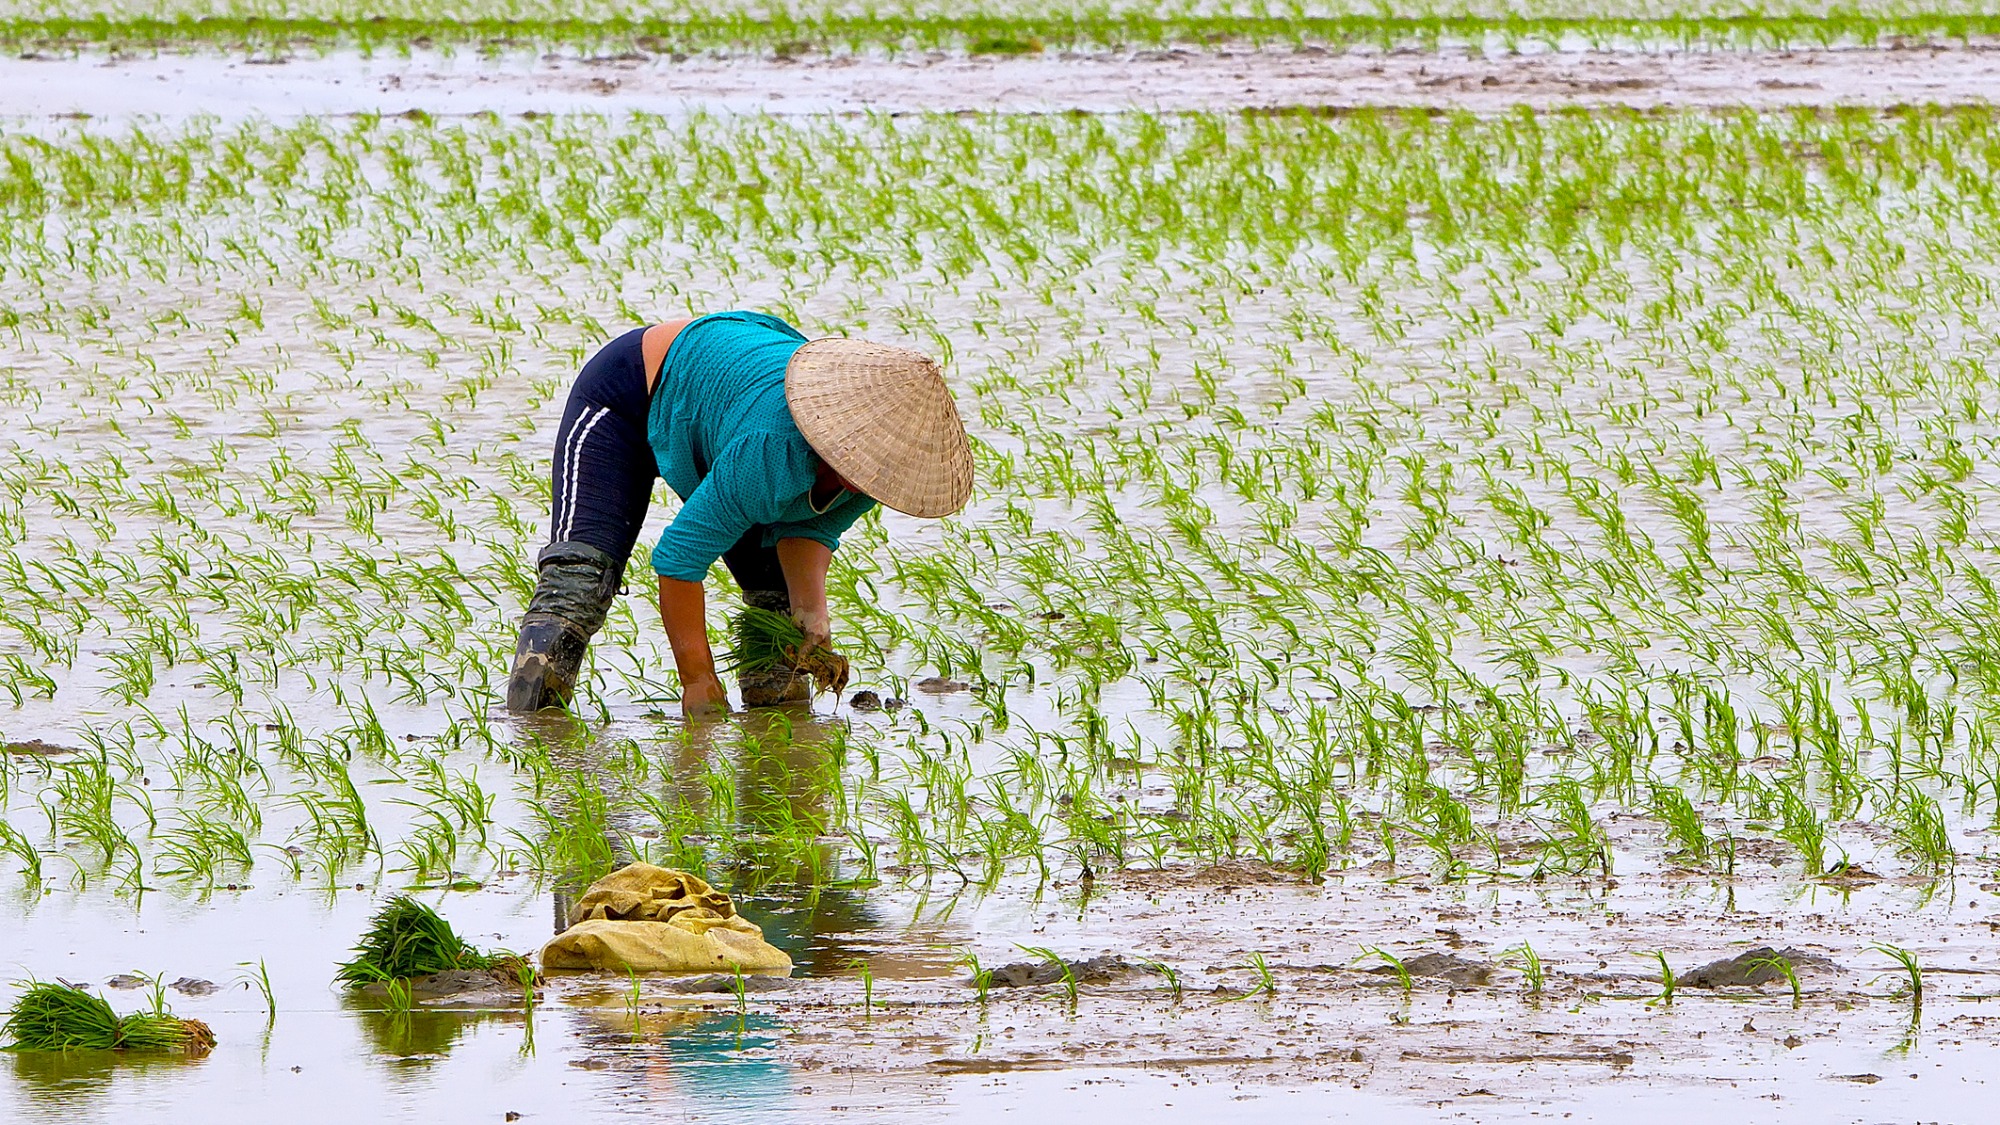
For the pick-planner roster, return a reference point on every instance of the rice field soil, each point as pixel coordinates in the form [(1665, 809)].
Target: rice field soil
[(1436, 582), (174, 86)]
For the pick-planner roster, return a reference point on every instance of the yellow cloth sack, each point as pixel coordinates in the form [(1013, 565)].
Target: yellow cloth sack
[(649, 919)]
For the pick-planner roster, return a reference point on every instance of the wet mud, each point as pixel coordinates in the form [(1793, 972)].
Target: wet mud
[(177, 86)]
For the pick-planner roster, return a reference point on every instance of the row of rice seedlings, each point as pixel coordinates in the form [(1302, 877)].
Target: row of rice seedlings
[(1378, 487), (989, 27)]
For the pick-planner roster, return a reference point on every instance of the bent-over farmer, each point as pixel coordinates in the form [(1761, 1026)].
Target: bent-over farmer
[(776, 445)]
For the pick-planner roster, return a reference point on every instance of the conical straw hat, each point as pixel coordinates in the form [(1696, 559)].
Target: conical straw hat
[(883, 418)]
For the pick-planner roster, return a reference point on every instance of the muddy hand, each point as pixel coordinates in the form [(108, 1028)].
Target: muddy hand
[(818, 630), (704, 698)]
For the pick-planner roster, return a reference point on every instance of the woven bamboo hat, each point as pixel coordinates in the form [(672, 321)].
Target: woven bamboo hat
[(882, 418)]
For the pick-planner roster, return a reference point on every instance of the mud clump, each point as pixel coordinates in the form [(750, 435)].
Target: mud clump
[(1450, 969), (938, 685), (1758, 966), (497, 987), (1028, 974), (37, 748), (195, 986)]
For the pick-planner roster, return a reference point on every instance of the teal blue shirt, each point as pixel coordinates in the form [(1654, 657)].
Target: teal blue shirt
[(726, 444)]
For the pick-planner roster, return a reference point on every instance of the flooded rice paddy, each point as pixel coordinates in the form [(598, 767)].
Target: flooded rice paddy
[(346, 82), (1436, 582)]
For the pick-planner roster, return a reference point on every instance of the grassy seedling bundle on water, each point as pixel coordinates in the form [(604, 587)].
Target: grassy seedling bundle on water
[(408, 939), (61, 1017), (766, 641)]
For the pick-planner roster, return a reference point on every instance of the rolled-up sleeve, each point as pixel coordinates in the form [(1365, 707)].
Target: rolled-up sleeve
[(745, 487), (828, 526)]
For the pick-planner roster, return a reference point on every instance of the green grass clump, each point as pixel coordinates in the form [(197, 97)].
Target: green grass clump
[(60, 1017), (408, 939)]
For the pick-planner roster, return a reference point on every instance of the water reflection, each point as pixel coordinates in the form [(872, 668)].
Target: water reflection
[(415, 1033), (754, 804), (73, 1080), (706, 1060)]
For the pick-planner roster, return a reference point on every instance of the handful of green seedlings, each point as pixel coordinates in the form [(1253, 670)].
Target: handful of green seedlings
[(408, 939), (765, 641), (60, 1016)]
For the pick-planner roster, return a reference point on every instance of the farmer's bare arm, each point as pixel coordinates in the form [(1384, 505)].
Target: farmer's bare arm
[(804, 562), (684, 611)]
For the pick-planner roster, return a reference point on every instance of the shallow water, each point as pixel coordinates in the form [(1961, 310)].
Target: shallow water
[(177, 86), (283, 425)]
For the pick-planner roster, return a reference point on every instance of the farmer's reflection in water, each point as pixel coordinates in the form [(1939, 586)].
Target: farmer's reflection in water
[(747, 805)]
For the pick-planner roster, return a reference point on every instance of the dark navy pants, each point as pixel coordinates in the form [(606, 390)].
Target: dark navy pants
[(604, 470)]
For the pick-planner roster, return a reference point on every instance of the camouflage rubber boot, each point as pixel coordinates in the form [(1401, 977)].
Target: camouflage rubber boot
[(776, 686), (572, 594)]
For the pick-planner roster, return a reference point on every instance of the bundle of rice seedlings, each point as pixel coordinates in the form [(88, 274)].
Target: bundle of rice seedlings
[(765, 640), (60, 1016), (408, 939)]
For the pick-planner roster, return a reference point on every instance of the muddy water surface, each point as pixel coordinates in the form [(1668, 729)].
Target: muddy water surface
[(344, 82), (883, 1023), (1338, 1037)]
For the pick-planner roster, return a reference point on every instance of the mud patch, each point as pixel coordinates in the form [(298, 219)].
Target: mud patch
[(35, 747), (756, 983), (179, 86), (1443, 967), (1755, 967), (1028, 974), (459, 988)]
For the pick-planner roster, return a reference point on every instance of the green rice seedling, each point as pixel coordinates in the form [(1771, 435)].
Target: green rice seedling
[(408, 939), (14, 843), (763, 640), (60, 1017), (1667, 982), (1782, 965), (1267, 982), (260, 979), (1920, 832), (866, 971), (982, 978), (1394, 962), (1533, 972), (1803, 829), (1069, 981), (1682, 822), (1913, 971), (398, 992), (1168, 974)]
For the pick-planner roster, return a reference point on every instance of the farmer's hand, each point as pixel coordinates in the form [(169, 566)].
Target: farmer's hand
[(704, 698), (814, 624)]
